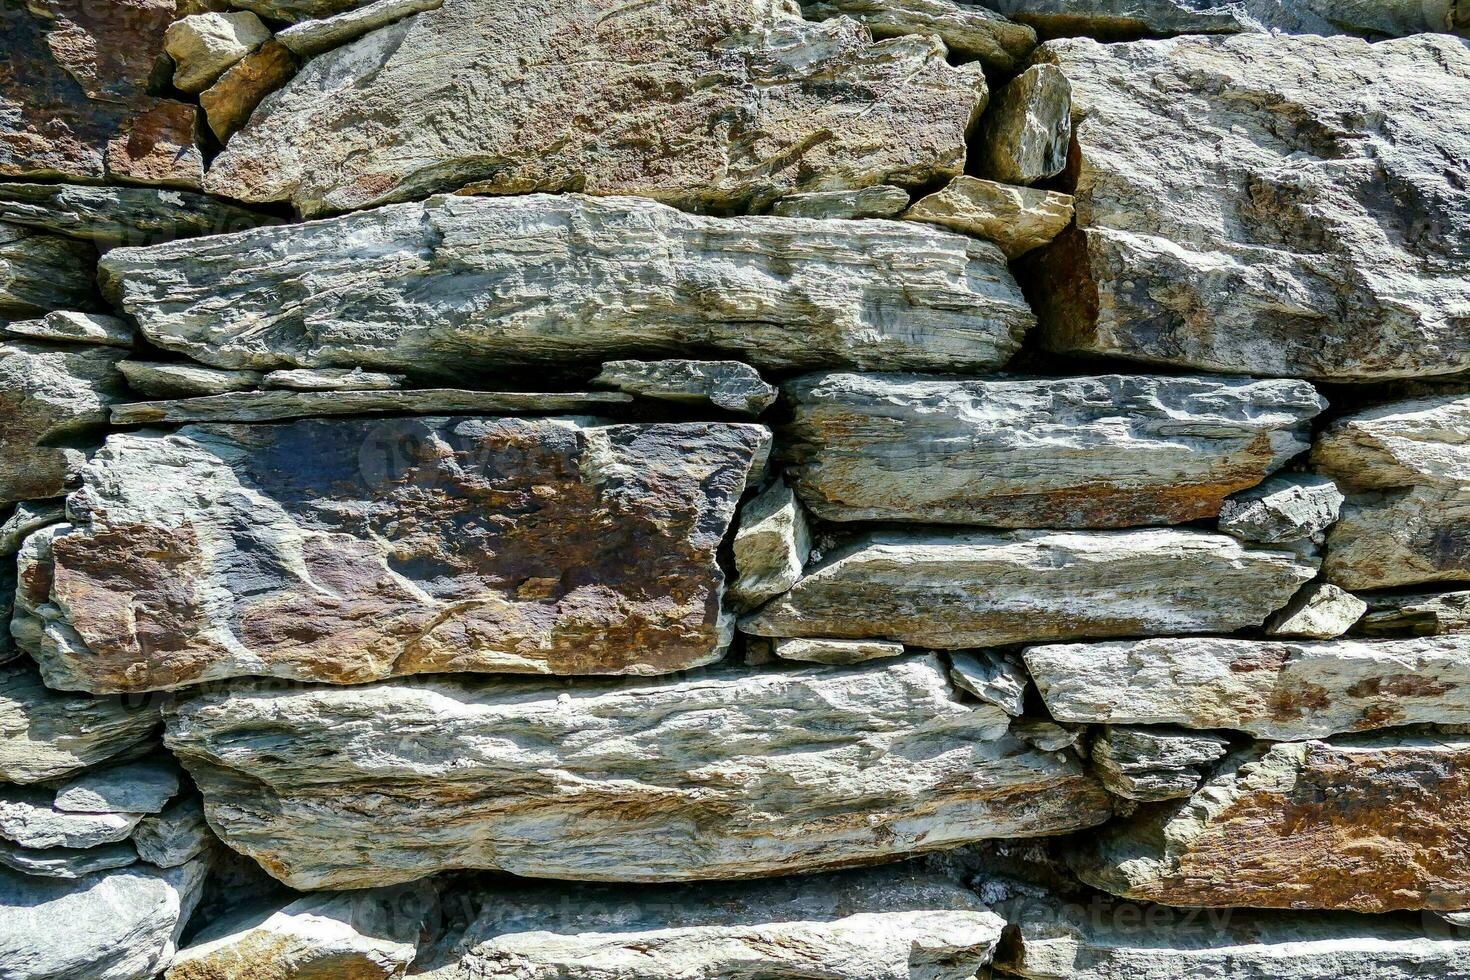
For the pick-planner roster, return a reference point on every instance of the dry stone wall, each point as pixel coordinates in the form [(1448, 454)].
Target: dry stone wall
[(734, 489)]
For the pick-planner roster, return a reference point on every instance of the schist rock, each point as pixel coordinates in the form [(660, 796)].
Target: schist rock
[(812, 769), (1018, 219), (334, 379), (706, 104), (979, 589), (877, 201), (994, 678), (771, 546), (46, 734), (819, 651), (229, 102), (176, 835), (40, 273), (348, 551), (1152, 764), (138, 787), (69, 327), (308, 38), (1109, 451), (1416, 614), (30, 818), (1027, 130), (967, 29), (1406, 470), (1320, 611), (1231, 211), (111, 216), (275, 406), (1289, 508), (731, 385), (1366, 824), (1277, 689), (204, 45), (69, 863), (168, 379), (455, 284)]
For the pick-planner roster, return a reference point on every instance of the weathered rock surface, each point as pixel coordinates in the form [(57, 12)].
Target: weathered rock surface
[(811, 769), (977, 589), (297, 10), (1027, 130), (391, 547), (840, 652), (166, 379), (334, 379), (1391, 811), (40, 273), (1110, 451), (176, 835), (139, 787), (111, 216), (994, 678), (873, 925), (731, 385), (1231, 213), (29, 516), (1406, 469), (1284, 509), (1046, 736), (118, 925), (204, 45), (68, 863), (878, 201), (1320, 611), (966, 29), (1153, 764), (45, 734), (308, 38), (1115, 19), (744, 101), (771, 546), (230, 101), (457, 284), (75, 328), (1050, 940), (1276, 689), (1416, 614), (366, 935), (1018, 219), (29, 818), (51, 399), (274, 406)]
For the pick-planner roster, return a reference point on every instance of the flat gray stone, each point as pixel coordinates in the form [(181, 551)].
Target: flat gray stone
[(1027, 129), (75, 328), (46, 734), (966, 29), (40, 273), (334, 379), (138, 787), (29, 818), (1115, 19), (275, 406), (66, 862), (840, 652), (771, 546), (308, 38), (168, 379), (1154, 764), (1416, 614), (994, 678), (1284, 509), (731, 385), (455, 284), (176, 835), (110, 216), (879, 201)]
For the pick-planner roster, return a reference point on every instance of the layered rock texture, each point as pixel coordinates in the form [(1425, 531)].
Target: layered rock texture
[(734, 489)]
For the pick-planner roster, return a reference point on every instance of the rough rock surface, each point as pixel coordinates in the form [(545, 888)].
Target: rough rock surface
[(966, 29), (1285, 509), (1109, 451), (45, 734), (333, 379), (230, 101), (841, 652), (1231, 211), (1018, 219), (176, 835), (1153, 764), (348, 551), (454, 284), (1416, 614), (1391, 809), (731, 385), (1406, 469), (977, 589), (758, 102), (139, 787), (813, 769), (873, 925), (994, 678), (40, 273), (165, 379), (275, 406), (1028, 128), (308, 38), (29, 516), (66, 326), (111, 216), (1320, 611), (30, 818), (51, 398), (69, 863), (204, 45), (878, 201), (1277, 689), (117, 925), (770, 548)]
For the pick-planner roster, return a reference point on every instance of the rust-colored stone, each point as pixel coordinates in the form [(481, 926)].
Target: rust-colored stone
[(229, 102)]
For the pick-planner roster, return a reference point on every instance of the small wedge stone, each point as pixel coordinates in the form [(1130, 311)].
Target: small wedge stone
[(1027, 129), (204, 45), (995, 678), (1320, 611), (838, 652), (1153, 764), (731, 385), (1017, 219), (170, 838), (771, 546)]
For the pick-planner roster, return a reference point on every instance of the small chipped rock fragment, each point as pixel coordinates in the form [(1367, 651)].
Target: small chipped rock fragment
[(1285, 509), (1046, 736), (1411, 614), (308, 38), (1027, 130), (334, 379), (1320, 611), (112, 216), (204, 45), (169, 379), (138, 787), (1018, 219), (76, 328), (40, 273), (966, 29), (66, 862), (838, 652), (176, 835), (1275, 689), (1153, 764), (771, 547), (879, 201), (46, 734), (995, 678), (1297, 825), (228, 103), (731, 385), (30, 818)]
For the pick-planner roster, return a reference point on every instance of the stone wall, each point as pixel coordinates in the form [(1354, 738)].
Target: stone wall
[(734, 489)]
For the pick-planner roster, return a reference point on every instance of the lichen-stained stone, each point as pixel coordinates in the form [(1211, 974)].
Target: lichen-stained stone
[(1050, 939), (1153, 764), (1027, 130), (1231, 211), (967, 29), (1108, 451), (771, 546), (1284, 509), (885, 924), (112, 216), (877, 201), (273, 406), (40, 273), (725, 776), (1406, 469), (705, 104), (116, 925), (731, 385), (1018, 219), (1365, 824), (1416, 614), (1277, 689), (51, 398), (1320, 611), (46, 734), (979, 589), (456, 284), (348, 551)]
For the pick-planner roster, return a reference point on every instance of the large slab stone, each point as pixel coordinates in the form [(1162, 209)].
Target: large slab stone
[(1111, 451), (46, 734), (111, 216), (979, 589), (1277, 689), (1367, 824), (809, 769), (29, 817), (66, 862), (348, 551), (1406, 470), (1231, 213), (458, 284), (53, 399), (707, 104), (889, 924)]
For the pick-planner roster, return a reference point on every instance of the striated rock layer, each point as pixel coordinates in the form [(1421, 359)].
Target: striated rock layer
[(732, 776)]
